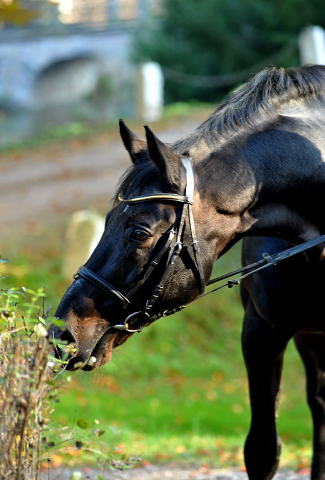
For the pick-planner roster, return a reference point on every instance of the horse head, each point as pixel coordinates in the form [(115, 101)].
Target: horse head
[(148, 262)]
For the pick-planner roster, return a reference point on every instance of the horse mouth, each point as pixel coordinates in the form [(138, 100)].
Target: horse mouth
[(88, 357), (95, 355), (92, 338)]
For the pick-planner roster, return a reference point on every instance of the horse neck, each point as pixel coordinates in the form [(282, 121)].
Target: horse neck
[(272, 180)]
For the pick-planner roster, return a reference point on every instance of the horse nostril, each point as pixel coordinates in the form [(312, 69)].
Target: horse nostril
[(65, 343), (67, 336)]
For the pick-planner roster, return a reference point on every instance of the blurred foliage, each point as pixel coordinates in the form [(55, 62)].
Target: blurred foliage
[(20, 13), (213, 37), (15, 13), (31, 379), (26, 368)]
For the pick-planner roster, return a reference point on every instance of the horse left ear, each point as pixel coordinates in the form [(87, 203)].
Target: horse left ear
[(168, 163), (134, 145)]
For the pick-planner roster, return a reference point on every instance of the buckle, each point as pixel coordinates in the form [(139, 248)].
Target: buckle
[(268, 258)]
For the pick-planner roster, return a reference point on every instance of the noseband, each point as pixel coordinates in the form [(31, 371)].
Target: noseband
[(174, 233)]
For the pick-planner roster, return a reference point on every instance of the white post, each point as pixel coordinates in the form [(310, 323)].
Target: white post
[(83, 233), (312, 46), (150, 92)]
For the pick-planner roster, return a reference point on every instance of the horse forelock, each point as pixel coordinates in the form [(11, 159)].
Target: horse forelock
[(136, 177), (258, 100)]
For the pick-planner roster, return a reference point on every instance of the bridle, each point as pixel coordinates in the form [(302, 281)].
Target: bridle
[(174, 234), (171, 247)]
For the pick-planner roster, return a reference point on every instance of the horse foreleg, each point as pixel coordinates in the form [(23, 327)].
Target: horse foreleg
[(263, 352), (311, 347)]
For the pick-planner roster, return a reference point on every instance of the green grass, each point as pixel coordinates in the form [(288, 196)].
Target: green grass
[(178, 390)]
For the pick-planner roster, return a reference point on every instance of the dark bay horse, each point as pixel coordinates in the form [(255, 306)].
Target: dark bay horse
[(254, 169)]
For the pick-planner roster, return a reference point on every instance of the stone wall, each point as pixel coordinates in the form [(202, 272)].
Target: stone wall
[(76, 64)]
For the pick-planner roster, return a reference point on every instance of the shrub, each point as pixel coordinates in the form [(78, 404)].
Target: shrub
[(29, 384), (26, 380)]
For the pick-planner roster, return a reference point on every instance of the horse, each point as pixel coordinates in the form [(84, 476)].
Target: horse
[(254, 170)]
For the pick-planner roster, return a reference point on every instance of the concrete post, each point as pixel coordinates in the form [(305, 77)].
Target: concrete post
[(312, 46), (83, 233), (150, 99)]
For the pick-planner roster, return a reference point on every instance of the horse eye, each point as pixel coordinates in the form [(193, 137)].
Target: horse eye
[(140, 235)]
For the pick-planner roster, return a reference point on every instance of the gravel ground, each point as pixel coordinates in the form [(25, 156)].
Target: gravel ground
[(42, 188), (155, 472)]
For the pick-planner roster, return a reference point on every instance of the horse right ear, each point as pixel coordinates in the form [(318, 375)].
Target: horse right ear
[(168, 163), (132, 142)]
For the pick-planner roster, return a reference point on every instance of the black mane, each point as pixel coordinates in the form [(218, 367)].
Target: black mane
[(255, 99)]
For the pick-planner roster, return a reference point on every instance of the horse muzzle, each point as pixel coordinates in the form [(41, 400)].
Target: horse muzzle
[(85, 343)]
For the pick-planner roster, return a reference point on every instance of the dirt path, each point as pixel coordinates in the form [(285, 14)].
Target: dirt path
[(164, 472), (42, 188)]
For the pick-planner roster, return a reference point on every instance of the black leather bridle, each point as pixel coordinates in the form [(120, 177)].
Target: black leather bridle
[(173, 234), (176, 230)]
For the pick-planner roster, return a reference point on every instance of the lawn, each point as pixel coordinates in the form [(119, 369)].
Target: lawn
[(177, 391)]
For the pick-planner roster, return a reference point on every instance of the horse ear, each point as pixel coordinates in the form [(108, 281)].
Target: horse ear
[(168, 163), (132, 142)]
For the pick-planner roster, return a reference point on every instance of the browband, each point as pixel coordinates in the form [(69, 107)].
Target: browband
[(172, 197)]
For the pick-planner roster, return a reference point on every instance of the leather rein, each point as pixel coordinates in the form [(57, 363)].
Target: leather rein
[(175, 232)]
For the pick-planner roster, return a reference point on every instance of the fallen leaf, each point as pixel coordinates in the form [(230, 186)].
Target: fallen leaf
[(180, 449)]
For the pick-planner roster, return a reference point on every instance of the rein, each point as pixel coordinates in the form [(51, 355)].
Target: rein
[(265, 262), (175, 233)]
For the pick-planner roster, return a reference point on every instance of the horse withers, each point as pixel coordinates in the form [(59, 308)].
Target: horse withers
[(254, 169)]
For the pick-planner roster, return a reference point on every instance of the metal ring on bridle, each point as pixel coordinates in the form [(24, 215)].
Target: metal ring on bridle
[(124, 326)]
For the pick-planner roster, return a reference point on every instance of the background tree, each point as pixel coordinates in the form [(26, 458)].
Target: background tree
[(218, 37), (22, 13)]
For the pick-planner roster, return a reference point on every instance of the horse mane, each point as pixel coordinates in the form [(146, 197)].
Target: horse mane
[(257, 99), (135, 177), (245, 107)]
